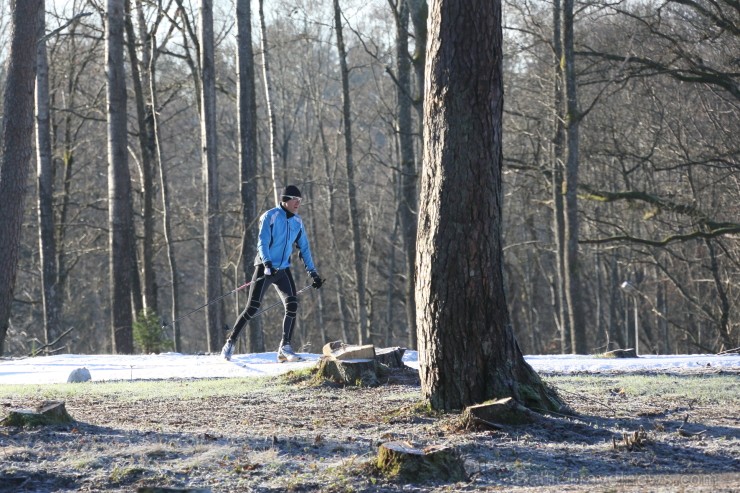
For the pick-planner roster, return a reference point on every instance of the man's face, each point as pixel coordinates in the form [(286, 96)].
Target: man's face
[(292, 204)]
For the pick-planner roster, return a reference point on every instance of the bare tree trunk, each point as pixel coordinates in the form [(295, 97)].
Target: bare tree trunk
[(330, 181), (468, 353), (572, 122), (354, 217), (723, 327), (268, 101), (119, 185), (558, 221), (17, 148), (211, 217), (320, 295), (409, 194), (163, 184), (246, 106), (419, 12), (139, 77), (47, 241)]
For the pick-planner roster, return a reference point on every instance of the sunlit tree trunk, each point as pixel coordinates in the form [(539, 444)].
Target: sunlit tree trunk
[(467, 350), (558, 212), (119, 185)]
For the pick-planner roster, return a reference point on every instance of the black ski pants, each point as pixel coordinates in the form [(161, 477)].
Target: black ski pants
[(283, 282)]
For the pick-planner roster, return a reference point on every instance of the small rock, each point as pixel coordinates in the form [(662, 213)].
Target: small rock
[(79, 375)]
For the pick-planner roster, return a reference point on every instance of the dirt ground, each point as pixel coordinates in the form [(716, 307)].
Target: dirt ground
[(283, 435)]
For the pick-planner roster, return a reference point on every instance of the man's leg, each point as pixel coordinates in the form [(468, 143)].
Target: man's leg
[(286, 288), (256, 292)]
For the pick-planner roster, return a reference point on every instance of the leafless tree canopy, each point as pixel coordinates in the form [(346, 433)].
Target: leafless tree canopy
[(650, 131)]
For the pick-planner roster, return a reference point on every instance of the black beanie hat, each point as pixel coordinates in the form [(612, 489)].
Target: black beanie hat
[(290, 191)]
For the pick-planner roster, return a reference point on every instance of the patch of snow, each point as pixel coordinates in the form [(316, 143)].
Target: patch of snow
[(106, 367)]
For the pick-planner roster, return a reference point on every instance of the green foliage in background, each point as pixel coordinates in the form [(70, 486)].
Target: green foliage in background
[(149, 335)]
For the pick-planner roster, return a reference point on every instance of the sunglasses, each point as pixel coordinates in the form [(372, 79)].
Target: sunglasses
[(286, 198)]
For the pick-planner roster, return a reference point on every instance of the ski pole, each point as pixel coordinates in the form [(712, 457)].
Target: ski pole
[(273, 305), (213, 301)]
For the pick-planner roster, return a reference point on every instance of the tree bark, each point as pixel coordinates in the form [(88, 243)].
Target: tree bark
[(145, 133), (151, 65), (468, 353), (268, 101), (211, 217), (45, 173), (17, 148), (354, 215), (572, 123), (409, 194), (558, 212), (247, 109), (119, 185), (419, 11)]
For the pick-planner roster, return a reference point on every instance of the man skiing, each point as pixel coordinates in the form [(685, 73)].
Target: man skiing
[(280, 228)]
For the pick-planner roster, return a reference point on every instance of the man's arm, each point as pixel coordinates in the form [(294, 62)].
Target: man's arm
[(264, 237), (305, 251)]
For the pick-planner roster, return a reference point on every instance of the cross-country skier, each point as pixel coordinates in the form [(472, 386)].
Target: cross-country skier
[(280, 228)]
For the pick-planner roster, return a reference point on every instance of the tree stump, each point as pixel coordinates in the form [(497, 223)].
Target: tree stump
[(391, 357), (505, 411), (48, 413), (437, 463), (359, 372)]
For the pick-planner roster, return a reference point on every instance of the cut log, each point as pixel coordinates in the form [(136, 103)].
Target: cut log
[(392, 357), (505, 411), (48, 413), (359, 372), (621, 353), (339, 350), (438, 463)]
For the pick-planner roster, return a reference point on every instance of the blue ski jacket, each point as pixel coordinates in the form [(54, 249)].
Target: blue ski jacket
[(278, 233)]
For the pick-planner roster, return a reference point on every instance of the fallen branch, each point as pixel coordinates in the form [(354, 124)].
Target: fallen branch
[(39, 349)]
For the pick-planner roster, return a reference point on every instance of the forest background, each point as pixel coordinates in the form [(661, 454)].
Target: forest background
[(621, 172)]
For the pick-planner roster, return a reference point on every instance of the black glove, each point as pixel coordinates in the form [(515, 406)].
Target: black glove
[(317, 281), (269, 271)]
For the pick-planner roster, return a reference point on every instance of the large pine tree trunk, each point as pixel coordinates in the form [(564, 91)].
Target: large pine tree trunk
[(17, 148), (467, 349), (119, 185)]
